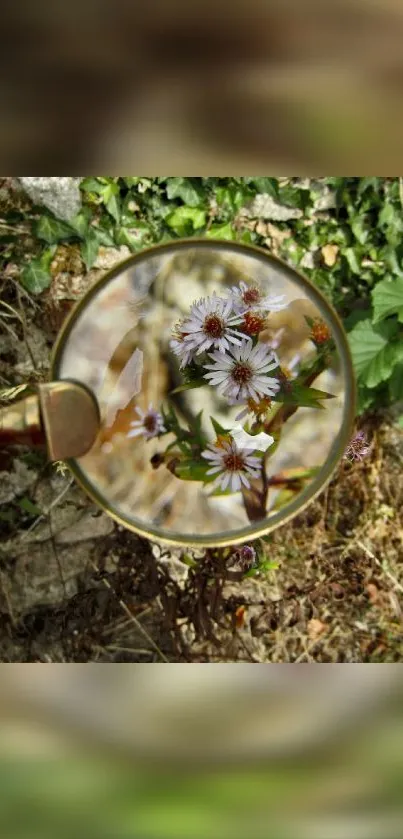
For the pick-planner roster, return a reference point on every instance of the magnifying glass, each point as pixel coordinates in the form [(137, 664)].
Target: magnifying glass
[(202, 393)]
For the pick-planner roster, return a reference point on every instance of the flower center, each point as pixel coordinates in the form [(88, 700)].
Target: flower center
[(150, 423), (233, 462), (253, 323), (213, 326), (251, 295), (241, 373)]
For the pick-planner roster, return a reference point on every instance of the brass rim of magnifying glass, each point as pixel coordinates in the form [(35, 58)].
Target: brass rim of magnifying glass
[(317, 484)]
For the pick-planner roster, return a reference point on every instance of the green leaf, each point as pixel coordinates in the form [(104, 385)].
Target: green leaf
[(112, 206), (133, 238), (51, 230), (92, 185), (194, 470), (352, 260), (367, 183), (304, 397), (265, 185), (35, 278), (184, 189), (190, 385), (28, 507), (219, 429), (359, 228), (396, 383), (221, 231), (373, 353), (103, 237), (186, 219), (89, 249), (80, 223), (387, 298), (131, 182)]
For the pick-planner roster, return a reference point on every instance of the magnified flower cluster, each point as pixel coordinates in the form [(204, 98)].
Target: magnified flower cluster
[(219, 345)]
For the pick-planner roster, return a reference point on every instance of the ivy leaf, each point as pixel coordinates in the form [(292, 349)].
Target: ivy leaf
[(133, 238), (51, 230), (103, 237), (89, 250), (387, 298), (110, 194), (374, 355), (221, 231), (186, 219), (35, 278), (80, 224), (92, 185), (184, 189)]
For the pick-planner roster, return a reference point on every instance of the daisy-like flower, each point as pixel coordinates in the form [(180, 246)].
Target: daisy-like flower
[(241, 374), (179, 347), (252, 297), (150, 424), (210, 325), (233, 465)]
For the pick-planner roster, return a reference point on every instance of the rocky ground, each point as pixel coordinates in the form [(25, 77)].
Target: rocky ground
[(76, 587)]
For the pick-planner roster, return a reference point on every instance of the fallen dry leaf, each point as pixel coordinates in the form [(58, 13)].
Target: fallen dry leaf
[(373, 593), (329, 254), (316, 628)]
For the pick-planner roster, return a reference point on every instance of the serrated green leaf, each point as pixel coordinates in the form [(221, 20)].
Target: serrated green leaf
[(219, 429), (35, 278), (221, 231), (184, 189), (185, 219), (51, 230), (304, 397), (396, 383), (373, 353), (387, 298), (89, 249)]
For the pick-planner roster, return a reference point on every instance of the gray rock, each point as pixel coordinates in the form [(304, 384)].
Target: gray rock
[(60, 195), (264, 207)]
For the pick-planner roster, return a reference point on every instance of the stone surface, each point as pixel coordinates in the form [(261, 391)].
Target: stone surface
[(60, 195)]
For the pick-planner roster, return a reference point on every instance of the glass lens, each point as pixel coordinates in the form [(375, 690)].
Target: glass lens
[(225, 391)]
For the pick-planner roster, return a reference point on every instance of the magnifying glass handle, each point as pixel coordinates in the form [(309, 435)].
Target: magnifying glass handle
[(61, 416)]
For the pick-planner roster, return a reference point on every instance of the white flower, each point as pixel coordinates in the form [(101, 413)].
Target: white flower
[(209, 325), (241, 374), (256, 442), (149, 425), (232, 465), (181, 349), (247, 297)]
